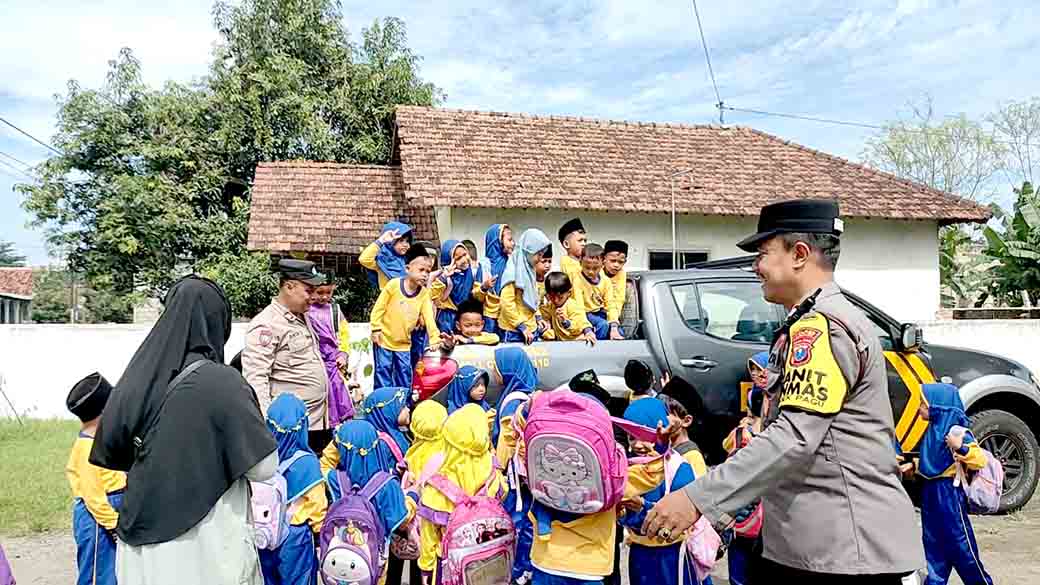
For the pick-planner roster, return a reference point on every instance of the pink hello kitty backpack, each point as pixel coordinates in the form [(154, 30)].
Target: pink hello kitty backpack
[(479, 538), (573, 462)]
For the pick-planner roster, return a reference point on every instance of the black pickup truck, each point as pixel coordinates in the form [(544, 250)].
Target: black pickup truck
[(703, 323)]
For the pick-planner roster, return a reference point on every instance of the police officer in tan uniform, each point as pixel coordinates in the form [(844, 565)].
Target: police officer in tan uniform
[(824, 467), (281, 352)]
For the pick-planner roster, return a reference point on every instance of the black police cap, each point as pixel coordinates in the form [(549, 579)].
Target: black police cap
[(304, 271), (812, 216)]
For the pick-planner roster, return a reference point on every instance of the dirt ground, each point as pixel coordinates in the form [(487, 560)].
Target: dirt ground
[(1009, 545)]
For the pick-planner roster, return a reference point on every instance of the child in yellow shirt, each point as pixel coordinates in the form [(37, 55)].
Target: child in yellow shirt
[(562, 312), (295, 561), (520, 302), (460, 279), (385, 258), (573, 239), (615, 256), (97, 492), (395, 317), (592, 289), (469, 326)]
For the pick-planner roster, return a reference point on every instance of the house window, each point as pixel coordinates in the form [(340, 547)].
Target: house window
[(662, 259)]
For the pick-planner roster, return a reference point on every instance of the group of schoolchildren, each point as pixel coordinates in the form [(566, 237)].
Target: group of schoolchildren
[(541, 487), (509, 295)]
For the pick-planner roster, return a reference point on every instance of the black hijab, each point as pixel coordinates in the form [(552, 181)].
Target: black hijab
[(183, 449)]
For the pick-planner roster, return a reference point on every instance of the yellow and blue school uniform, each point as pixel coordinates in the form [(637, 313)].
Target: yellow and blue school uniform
[(616, 295), (382, 262), (949, 541), (571, 266), (98, 495), (464, 284), (493, 263), (572, 549), (521, 294), (468, 464), (396, 315), (592, 294), (295, 562), (652, 561), (484, 338), (362, 454), (573, 325)]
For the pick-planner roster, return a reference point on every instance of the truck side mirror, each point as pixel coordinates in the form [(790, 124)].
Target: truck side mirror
[(911, 337)]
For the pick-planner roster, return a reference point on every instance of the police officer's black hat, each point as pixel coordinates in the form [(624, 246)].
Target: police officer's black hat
[(304, 271), (88, 397), (416, 251), (812, 216), (569, 228)]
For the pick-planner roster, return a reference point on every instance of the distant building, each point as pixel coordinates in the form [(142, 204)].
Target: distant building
[(16, 293), (453, 173)]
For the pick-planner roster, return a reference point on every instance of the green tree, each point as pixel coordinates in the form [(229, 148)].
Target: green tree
[(154, 181), (51, 296), (1016, 279), (9, 256), (246, 278), (54, 295)]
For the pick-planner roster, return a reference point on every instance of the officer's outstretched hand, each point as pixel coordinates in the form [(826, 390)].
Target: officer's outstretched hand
[(671, 516)]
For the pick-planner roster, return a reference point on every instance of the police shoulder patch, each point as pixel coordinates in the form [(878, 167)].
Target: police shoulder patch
[(813, 381)]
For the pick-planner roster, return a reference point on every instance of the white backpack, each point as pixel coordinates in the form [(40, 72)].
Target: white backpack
[(271, 510)]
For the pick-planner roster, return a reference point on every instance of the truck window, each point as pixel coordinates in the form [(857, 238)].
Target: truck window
[(729, 310)]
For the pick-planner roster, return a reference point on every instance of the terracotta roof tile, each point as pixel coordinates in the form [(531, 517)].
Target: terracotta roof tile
[(16, 281), (492, 159), (328, 207)]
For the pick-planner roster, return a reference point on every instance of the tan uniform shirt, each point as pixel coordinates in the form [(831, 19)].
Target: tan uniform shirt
[(281, 355), (825, 467)]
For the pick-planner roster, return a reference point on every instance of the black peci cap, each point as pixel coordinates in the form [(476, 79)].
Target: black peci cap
[(638, 376), (812, 216), (587, 382), (88, 397), (569, 228), (304, 271), (615, 246), (416, 251)]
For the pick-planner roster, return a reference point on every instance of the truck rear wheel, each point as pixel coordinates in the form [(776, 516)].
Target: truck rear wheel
[(1013, 443)]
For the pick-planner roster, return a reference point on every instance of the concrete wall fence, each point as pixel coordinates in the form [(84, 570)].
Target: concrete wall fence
[(40, 363)]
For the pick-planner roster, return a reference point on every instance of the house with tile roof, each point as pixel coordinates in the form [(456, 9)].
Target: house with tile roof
[(456, 172), (16, 293)]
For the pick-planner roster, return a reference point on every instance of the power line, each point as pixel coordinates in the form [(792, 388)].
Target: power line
[(23, 163), (17, 170), (31, 137), (855, 124), (707, 58)]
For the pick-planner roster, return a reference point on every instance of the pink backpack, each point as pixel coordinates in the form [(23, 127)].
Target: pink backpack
[(702, 543), (403, 547), (573, 462), (271, 509), (983, 487), (479, 539)]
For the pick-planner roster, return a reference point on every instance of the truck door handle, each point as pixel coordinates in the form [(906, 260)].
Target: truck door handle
[(699, 363)]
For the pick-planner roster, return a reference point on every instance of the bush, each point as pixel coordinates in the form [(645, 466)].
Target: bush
[(246, 278)]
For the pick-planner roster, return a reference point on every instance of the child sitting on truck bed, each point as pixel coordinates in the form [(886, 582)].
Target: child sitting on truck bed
[(563, 313)]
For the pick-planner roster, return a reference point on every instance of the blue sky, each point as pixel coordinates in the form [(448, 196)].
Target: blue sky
[(631, 60)]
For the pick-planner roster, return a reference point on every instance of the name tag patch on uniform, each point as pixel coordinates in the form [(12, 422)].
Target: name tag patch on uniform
[(812, 379)]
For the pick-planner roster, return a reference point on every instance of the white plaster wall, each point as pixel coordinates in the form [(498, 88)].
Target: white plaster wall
[(893, 264), (40, 363)]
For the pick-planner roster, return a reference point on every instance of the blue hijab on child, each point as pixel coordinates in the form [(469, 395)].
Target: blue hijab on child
[(495, 258), (462, 280), (389, 261), (945, 410), (383, 408), (459, 389), (648, 412), (520, 270), (361, 456), (518, 375), (287, 420)]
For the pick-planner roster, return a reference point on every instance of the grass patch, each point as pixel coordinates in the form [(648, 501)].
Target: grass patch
[(34, 494)]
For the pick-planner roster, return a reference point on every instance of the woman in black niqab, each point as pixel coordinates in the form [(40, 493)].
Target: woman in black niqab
[(183, 447)]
